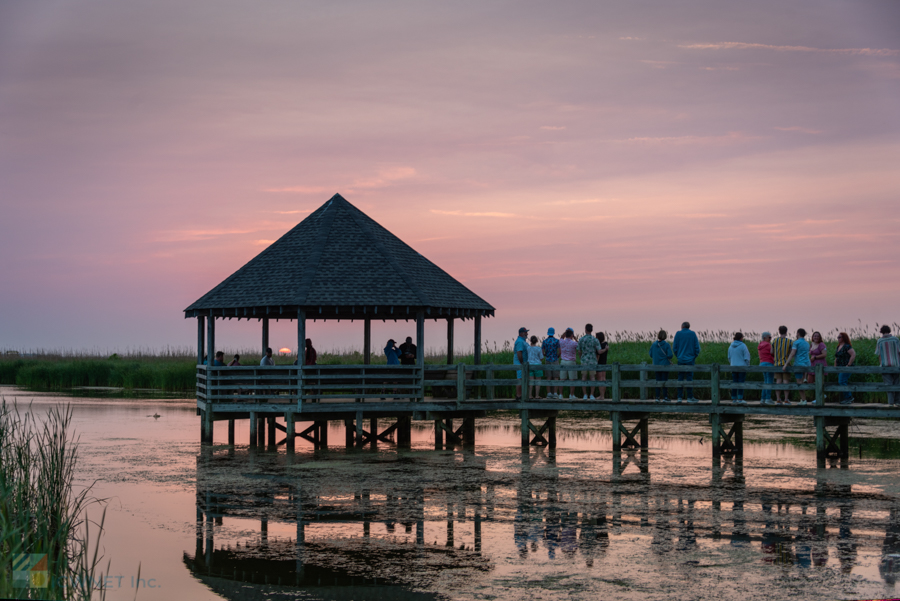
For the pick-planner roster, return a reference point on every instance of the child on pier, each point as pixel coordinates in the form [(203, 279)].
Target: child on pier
[(535, 357)]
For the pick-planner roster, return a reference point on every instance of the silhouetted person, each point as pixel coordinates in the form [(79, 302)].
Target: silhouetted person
[(408, 352), (267, 358)]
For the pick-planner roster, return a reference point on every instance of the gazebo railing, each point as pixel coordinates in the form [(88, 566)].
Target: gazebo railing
[(314, 383)]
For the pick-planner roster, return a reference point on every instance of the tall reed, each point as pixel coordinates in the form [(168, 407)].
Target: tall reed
[(40, 511)]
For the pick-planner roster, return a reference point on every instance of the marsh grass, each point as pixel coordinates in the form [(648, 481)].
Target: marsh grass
[(40, 512)]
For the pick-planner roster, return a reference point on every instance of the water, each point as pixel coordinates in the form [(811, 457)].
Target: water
[(490, 523)]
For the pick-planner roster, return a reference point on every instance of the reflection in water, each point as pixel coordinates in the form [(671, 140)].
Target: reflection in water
[(404, 521)]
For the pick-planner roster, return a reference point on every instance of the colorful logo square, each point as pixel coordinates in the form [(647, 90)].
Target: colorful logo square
[(30, 570)]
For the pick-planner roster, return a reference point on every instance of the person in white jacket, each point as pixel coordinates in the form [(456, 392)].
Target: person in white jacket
[(738, 356)]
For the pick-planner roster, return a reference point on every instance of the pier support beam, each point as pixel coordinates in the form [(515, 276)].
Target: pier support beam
[(730, 442), (206, 427), (265, 334), (231, 432), (544, 435), (619, 429), (289, 430), (254, 422), (404, 432), (271, 431), (832, 445)]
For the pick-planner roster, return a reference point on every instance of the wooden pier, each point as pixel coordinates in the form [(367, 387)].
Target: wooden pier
[(299, 401)]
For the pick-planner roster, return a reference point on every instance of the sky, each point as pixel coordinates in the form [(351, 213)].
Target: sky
[(629, 164)]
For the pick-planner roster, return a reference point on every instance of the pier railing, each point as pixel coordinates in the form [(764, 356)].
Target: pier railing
[(461, 382)]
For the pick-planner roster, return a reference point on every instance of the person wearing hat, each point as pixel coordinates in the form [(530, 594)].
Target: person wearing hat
[(392, 352), (550, 348), (520, 357)]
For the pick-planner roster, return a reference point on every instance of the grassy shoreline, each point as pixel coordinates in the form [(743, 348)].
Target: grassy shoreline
[(40, 512), (172, 373)]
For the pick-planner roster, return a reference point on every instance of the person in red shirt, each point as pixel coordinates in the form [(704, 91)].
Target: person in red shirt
[(766, 358)]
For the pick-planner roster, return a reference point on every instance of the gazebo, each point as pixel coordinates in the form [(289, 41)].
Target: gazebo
[(338, 263)]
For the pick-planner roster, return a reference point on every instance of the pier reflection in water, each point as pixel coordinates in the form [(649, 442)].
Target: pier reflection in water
[(423, 523)]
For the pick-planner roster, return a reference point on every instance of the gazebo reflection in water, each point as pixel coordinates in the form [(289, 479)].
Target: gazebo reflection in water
[(397, 521)]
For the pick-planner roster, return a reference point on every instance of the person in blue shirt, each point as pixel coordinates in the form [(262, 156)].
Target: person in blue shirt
[(687, 348), (520, 357), (219, 361), (661, 353), (800, 356), (392, 352)]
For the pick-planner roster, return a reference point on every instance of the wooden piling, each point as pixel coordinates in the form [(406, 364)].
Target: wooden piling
[(820, 437), (231, 432), (716, 434), (348, 432), (526, 429), (616, 431), (551, 432), (289, 430), (253, 423)]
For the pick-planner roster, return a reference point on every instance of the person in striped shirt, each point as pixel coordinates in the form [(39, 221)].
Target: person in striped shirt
[(781, 348), (888, 350)]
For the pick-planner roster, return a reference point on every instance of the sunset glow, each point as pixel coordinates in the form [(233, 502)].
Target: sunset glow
[(631, 167)]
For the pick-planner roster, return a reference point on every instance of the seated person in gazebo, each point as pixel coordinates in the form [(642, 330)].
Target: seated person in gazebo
[(267, 359), (219, 360), (236, 362)]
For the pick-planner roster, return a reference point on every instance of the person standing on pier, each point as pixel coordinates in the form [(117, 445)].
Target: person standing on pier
[(738, 356), (535, 357), (661, 353), (520, 357), (818, 355), (781, 348), (888, 351), (408, 352), (588, 346), (568, 370), (800, 356), (766, 360), (550, 348), (392, 353), (687, 348), (602, 356), (844, 356), (267, 358)]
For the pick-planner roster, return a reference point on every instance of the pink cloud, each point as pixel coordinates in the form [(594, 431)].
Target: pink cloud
[(746, 46)]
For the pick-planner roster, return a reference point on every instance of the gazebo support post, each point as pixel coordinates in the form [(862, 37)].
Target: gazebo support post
[(210, 359), (201, 339), (420, 351), (367, 341), (265, 334), (478, 340), (301, 356), (449, 341)]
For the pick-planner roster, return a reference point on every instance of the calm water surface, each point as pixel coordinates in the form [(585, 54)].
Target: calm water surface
[(488, 523)]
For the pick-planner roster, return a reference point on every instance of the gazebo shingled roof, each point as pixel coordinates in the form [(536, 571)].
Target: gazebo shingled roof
[(338, 263)]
